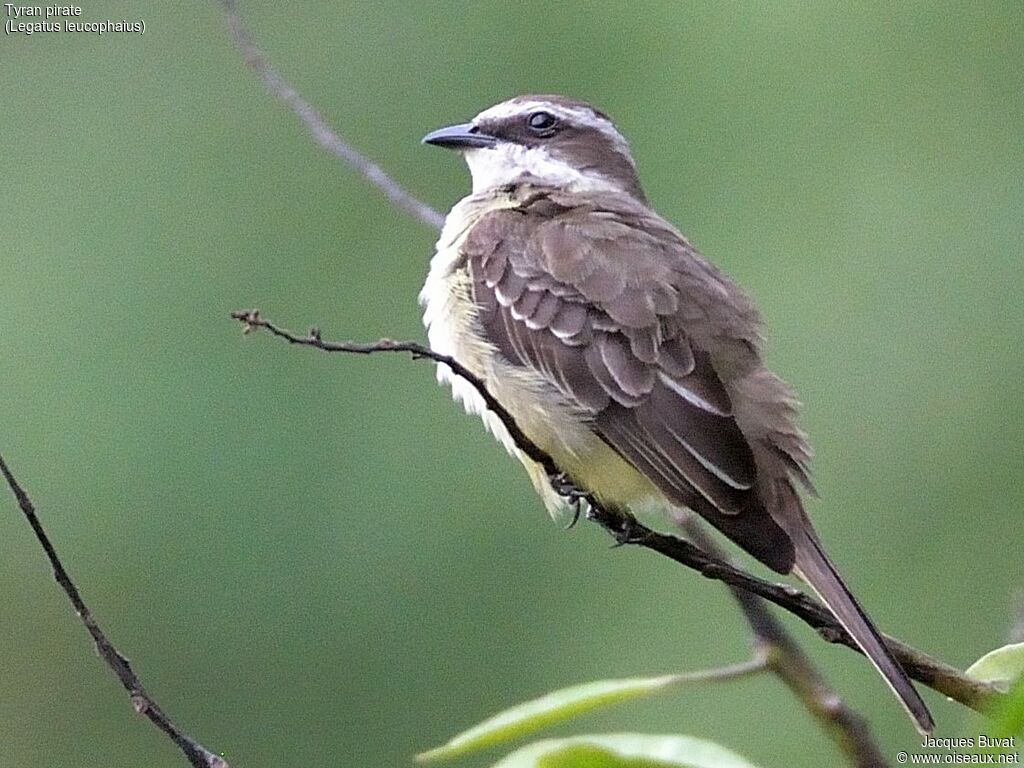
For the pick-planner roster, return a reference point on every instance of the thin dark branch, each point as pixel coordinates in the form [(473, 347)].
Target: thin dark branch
[(919, 665), (321, 132), (252, 321), (844, 726), (849, 729), (198, 755), (784, 657)]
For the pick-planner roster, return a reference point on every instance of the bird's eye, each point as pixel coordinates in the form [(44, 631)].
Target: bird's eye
[(541, 123)]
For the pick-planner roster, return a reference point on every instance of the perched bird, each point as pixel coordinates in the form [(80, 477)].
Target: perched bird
[(618, 349)]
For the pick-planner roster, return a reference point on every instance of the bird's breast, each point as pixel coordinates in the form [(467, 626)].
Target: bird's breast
[(453, 329), (559, 427)]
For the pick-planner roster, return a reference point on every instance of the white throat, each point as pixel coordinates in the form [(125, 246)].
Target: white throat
[(509, 163)]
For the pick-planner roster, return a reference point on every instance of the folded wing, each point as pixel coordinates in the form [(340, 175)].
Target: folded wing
[(600, 309)]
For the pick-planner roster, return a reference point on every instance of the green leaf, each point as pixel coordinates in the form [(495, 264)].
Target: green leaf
[(999, 667), (624, 750), (551, 708), (1008, 719)]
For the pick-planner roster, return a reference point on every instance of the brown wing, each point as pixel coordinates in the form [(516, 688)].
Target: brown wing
[(618, 312)]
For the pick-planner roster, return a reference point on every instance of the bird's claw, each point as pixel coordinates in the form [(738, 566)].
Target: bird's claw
[(573, 495)]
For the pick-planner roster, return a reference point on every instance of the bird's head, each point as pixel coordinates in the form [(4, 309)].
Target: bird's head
[(547, 140)]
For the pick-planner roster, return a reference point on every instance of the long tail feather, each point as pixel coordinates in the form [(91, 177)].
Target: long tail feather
[(814, 567)]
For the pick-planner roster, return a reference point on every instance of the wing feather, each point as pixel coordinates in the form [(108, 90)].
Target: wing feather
[(617, 313)]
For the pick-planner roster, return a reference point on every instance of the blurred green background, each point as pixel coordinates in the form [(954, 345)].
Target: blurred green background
[(322, 561)]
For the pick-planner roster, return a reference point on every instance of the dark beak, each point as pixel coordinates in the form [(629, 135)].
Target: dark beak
[(462, 136)]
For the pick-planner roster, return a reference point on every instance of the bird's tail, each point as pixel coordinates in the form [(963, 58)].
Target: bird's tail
[(814, 567)]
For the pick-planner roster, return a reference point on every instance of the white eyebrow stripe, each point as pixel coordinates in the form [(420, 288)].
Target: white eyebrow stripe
[(580, 115)]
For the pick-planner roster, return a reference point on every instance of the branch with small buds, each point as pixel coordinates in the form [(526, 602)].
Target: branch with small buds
[(843, 725), (626, 530), (774, 649)]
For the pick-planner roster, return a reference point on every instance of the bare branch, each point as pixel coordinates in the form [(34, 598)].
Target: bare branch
[(198, 755), (919, 665), (321, 132), (784, 657), (758, 663), (847, 728), (844, 726), (781, 652), (252, 321)]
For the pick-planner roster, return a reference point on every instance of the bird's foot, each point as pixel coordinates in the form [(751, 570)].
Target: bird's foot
[(574, 496)]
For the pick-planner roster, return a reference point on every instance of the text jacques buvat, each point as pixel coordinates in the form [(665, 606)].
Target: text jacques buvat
[(32, 19)]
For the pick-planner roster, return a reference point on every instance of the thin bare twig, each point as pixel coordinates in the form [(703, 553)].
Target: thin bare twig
[(781, 652), (919, 665), (787, 661), (845, 726), (198, 755), (847, 729), (754, 665), (257, 61)]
